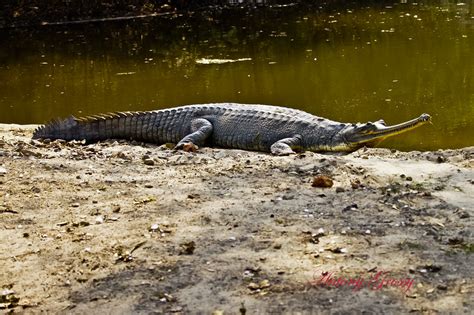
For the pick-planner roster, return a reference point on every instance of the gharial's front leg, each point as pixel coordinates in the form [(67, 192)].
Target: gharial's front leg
[(287, 146), (201, 129)]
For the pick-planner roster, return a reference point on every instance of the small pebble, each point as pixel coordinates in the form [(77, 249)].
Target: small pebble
[(442, 287), (187, 248), (253, 286), (149, 162), (355, 184), (264, 284), (464, 215), (322, 181)]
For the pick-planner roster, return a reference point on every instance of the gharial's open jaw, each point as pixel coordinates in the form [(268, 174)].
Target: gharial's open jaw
[(373, 133)]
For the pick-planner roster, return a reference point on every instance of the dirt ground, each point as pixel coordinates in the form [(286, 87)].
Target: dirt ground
[(121, 228)]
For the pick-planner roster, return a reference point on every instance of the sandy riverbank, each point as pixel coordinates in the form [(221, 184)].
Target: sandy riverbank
[(120, 227)]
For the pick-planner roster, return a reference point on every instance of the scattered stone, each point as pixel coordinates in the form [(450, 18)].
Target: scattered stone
[(242, 309), (307, 168), (442, 287), (122, 155), (8, 299), (36, 190), (176, 309), (320, 232), (430, 268), (352, 207), (3, 170), (187, 248), (322, 181), (338, 250), (144, 200), (464, 215), (149, 162), (81, 224), (355, 184), (258, 287), (264, 284), (190, 147), (253, 286), (314, 237), (340, 189), (456, 241)]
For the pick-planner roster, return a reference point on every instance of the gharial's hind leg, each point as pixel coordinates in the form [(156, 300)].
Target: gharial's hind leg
[(286, 146), (201, 130)]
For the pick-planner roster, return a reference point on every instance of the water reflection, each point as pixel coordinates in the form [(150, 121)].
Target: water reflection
[(391, 61)]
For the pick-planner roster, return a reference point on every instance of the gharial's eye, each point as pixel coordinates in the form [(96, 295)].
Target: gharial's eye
[(368, 127)]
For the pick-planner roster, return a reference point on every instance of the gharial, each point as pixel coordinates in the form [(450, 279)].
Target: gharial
[(274, 129)]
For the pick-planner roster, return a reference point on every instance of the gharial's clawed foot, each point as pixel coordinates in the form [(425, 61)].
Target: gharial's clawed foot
[(281, 150), (186, 147), (285, 146)]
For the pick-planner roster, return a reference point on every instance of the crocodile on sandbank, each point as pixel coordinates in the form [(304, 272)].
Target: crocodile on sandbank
[(274, 129)]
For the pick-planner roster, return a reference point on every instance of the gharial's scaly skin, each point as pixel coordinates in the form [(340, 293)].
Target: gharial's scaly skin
[(267, 128)]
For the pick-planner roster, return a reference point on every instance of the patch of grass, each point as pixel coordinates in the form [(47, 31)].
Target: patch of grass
[(418, 186), (411, 245), (468, 248), (460, 247)]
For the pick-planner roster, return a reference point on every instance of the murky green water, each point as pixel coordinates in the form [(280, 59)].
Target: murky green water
[(394, 61)]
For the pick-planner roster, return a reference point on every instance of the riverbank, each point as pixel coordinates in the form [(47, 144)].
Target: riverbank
[(40, 12), (122, 228)]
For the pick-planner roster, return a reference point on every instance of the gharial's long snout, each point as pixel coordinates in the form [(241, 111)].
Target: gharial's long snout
[(370, 134)]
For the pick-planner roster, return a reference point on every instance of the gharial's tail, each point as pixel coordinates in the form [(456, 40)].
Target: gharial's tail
[(67, 129), (93, 128)]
